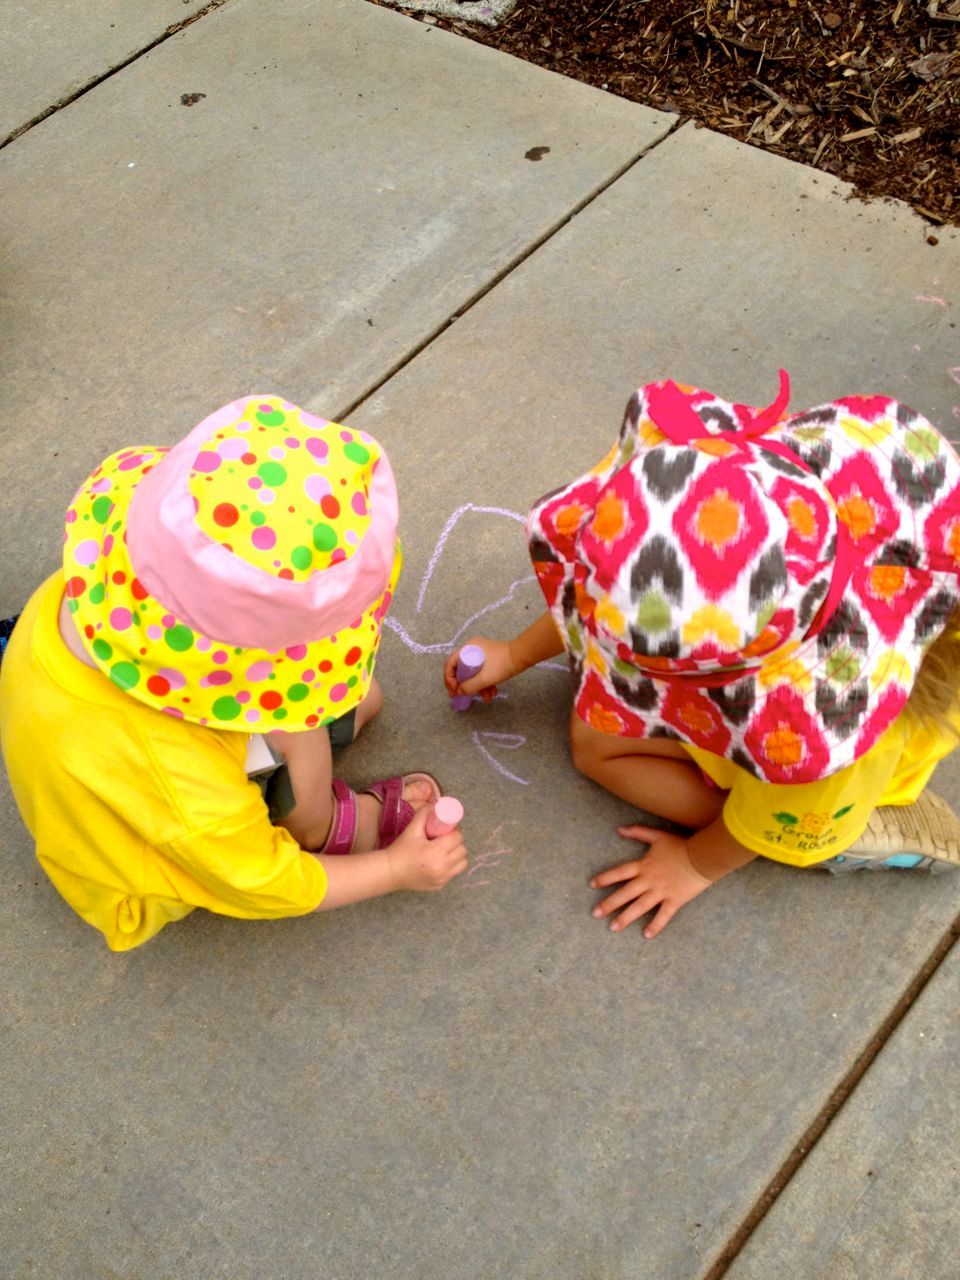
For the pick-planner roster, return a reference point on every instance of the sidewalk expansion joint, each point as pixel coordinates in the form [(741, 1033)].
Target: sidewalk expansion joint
[(508, 269), (834, 1103), (98, 80)]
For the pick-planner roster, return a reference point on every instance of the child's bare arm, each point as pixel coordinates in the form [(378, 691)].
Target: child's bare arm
[(505, 659), (411, 862), (674, 871)]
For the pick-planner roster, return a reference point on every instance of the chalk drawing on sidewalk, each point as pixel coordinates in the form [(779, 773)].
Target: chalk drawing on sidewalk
[(507, 742), (488, 744), (486, 861), (447, 646)]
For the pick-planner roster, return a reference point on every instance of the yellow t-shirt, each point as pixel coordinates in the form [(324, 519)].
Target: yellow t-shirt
[(808, 822), (138, 817)]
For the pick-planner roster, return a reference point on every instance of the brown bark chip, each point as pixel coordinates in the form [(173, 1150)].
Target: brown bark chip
[(865, 90)]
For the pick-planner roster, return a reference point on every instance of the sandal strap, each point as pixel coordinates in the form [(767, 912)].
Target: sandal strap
[(396, 813), (343, 828)]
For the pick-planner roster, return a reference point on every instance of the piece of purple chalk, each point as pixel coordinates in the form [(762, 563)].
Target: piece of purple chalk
[(469, 662)]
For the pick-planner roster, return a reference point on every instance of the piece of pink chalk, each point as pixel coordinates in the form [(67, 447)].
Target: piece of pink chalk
[(469, 662), (446, 814)]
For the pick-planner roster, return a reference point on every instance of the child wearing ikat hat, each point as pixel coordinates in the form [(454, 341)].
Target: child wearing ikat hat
[(232, 585), (760, 614)]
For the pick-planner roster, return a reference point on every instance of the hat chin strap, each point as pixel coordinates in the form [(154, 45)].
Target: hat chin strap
[(671, 411), (845, 562)]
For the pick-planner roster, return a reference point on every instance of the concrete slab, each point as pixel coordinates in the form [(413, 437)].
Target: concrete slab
[(879, 1197), (53, 48), (488, 1082), (351, 179)]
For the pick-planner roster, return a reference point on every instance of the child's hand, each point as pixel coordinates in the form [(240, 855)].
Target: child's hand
[(498, 665), (665, 878), (425, 865)]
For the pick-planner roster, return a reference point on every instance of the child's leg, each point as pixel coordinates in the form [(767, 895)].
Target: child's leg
[(369, 707), (306, 805), (655, 774)]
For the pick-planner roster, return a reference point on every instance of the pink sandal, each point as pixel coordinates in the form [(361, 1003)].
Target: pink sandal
[(395, 812)]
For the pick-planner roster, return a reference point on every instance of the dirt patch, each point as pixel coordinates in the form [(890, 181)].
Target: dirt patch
[(867, 91)]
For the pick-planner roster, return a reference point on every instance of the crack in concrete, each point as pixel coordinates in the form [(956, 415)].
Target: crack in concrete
[(815, 1131), (342, 412), (69, 98)]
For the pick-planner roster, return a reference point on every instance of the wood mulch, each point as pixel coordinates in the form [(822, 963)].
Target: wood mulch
[(867, 91)]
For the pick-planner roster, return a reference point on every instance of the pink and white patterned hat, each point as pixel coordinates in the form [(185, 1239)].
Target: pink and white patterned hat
[(240, 579), (761, 586)]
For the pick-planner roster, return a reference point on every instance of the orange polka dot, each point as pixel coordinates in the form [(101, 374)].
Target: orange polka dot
[(718, 519), (857, 514), (569, 519), (886, 580), (783, 746), (603, 721), (610, 519), (802, 517)]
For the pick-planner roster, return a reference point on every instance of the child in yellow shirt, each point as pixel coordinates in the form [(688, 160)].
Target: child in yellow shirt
[(232, 585), (759, 614)]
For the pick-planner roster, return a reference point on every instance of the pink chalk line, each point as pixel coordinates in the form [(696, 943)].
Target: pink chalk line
[(940, 302), (486, 861), (955, 374)]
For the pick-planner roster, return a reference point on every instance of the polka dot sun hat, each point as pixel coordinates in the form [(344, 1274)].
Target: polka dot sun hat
[(759, 585), (239, 579)]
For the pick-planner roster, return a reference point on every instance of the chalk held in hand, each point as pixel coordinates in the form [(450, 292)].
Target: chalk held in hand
[(445, 815), (469, 662)]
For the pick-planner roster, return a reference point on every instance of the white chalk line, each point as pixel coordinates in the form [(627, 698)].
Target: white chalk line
[(448, 646), (510, 742), (448, 529)]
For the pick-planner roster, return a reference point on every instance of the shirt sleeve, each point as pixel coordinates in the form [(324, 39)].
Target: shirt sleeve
[(215, 844), (245, 866)]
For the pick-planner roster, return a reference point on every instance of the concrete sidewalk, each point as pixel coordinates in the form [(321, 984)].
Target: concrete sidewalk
[(485, 1082)]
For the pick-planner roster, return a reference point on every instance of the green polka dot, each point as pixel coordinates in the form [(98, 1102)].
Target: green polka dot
[(73, 605), (102, 650), (271, 418), (301, 557), (258, 518), (97, 592), (115, 526), (226, 708), (324, 537), (136, 619), (357, 453), (280, 713), (124, 675), (272, 473), (351, 682), (179, 638), (297, 692), (244, 506), (102, 507)]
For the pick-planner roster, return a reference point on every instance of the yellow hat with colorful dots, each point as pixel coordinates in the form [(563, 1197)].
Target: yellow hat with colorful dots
[(239, 579)]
